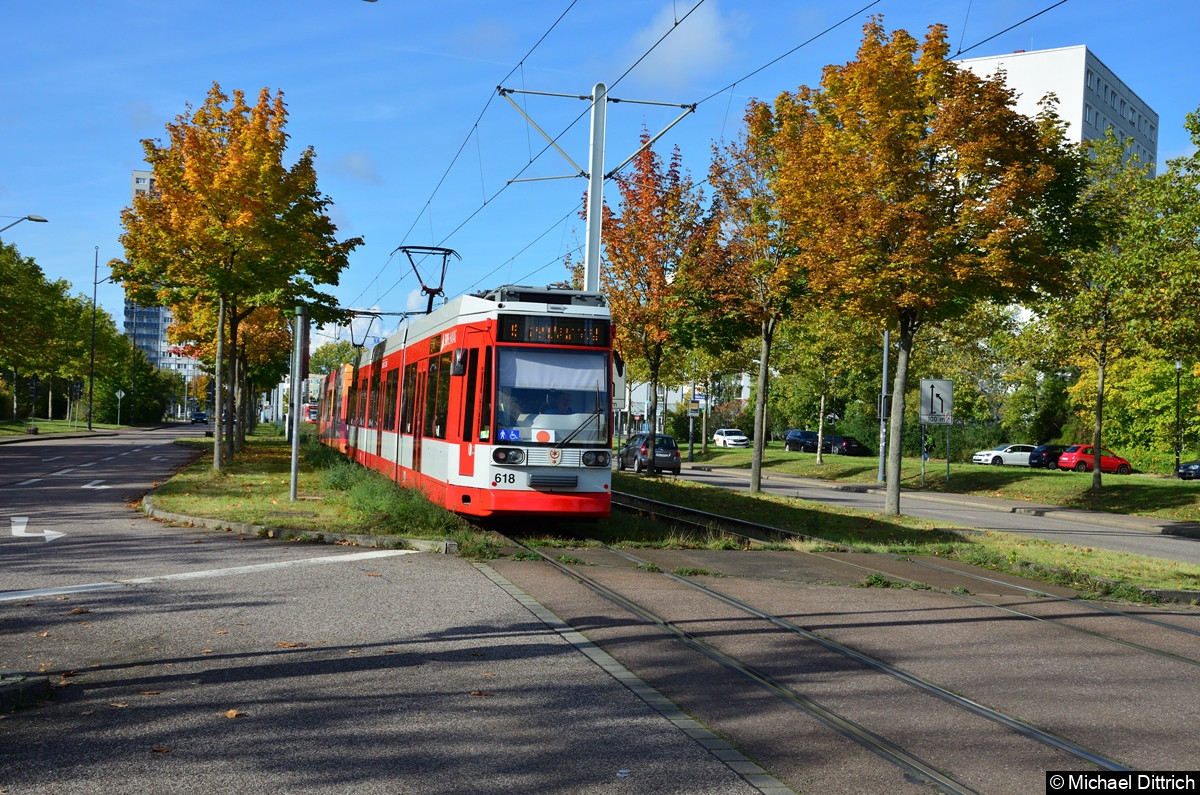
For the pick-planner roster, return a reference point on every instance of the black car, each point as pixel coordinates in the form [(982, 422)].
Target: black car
[(1045, 456), (1188, 470), (199, 416), (801, 442), (847, 445), (634, 453)]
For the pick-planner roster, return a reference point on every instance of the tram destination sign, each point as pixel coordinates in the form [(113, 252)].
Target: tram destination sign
[(584, 331)]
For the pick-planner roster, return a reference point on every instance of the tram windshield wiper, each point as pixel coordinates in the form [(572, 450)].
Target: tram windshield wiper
[(580, 427)]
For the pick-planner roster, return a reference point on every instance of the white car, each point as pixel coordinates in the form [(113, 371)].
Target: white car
[(730, 437), (1013, 455)]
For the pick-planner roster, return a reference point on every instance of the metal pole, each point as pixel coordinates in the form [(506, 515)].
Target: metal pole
[(1178, 436), (92, 367), (295, 418), (595, 192), (883, 407)]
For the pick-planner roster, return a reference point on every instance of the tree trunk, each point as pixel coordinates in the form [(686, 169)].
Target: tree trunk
[(1097, 475), (891, 505), (652, 415), (218, 448), (760, 405)]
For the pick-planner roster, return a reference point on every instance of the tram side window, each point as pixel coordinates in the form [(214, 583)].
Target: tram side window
[(468, 423), (389, 400), (373, 403), (364, 394), (407, 398), (437, 396), (485, 404)]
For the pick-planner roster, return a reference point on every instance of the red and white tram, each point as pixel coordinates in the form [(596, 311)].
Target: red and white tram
[(493, 405)]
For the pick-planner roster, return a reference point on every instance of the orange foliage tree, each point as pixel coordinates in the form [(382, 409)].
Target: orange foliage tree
[(230, 224), (656, 230), (913, 189)]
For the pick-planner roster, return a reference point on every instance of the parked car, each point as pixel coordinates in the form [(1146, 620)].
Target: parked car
[(847, 445), (636, 453), (1188, 470), (730, 437), (802, 442), (1015, 455), (199, 416), (1046, 456), (1079, 457)]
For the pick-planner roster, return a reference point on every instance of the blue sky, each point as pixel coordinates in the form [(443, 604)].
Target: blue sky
[(413, 144)]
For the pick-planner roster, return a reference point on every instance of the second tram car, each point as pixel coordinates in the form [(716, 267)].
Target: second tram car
[(497, 404)]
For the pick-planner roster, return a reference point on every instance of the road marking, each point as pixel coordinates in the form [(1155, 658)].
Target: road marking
[(192, 575), (27, 482), (19, 524), (88, 464), (93, 485), (108, 458), (55, 458), (282, 564), (61, 471)]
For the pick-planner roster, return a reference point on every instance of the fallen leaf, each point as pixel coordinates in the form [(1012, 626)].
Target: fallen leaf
[(351, 651), (220, 632), (478, 654), (79, 611), (118, 704), (285, 645), (43, 634), (206, 651), (158, 749), (150, 692), (233, 713), (489, 674), (373, 574), (481, 693), (65, 674)]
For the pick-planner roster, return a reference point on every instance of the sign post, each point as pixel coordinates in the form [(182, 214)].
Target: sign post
[(120, 394), (937, 408)]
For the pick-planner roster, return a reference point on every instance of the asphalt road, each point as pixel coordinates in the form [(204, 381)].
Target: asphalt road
[(192, 661)]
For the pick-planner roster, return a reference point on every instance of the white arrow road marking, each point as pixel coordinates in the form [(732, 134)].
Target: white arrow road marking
[(93, 485), (18, 529), (188, 575), (159, 458)]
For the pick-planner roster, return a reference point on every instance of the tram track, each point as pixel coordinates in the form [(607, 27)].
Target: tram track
[(757, 533), (787, 686)]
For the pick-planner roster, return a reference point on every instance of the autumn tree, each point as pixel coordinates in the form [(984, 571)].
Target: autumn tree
[(913, 189), (656, 230), (759, 276), (228, 223)]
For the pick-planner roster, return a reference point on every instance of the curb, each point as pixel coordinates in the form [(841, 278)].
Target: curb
[(291, 534), (22, 690)]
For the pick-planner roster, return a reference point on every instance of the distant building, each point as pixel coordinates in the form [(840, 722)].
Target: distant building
[(147, 326), (1091, 97)]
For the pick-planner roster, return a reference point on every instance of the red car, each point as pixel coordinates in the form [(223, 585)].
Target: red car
[(1080, 458)]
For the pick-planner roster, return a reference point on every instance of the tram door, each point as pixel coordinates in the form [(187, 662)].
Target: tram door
[(418, 431)]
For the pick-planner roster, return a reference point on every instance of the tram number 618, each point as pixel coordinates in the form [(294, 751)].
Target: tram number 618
[(504, 477)]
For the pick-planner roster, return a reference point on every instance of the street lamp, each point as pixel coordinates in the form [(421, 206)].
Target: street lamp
[(37, 218), (96, 281), (1178, 435)]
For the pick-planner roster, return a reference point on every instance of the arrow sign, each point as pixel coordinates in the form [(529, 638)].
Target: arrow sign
[(18, 529)]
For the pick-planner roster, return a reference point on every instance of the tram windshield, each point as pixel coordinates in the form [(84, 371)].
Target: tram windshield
[(552, 396)]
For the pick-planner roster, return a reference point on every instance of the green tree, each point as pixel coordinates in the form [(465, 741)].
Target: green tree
[(332, 355), (1102, 316), (913, 190), (229, 224)]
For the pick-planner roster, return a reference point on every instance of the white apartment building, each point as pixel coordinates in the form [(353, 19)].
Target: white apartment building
[(147, 325), (1091, 97)]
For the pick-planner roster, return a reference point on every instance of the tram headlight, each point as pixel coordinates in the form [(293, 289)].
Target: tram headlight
[(508, 455), (597, 458)]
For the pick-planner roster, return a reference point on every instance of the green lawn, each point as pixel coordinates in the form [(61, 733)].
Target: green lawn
[(1145, 495)]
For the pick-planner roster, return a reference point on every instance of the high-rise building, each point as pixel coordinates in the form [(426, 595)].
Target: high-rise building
[(147, 326), (1091, 97)]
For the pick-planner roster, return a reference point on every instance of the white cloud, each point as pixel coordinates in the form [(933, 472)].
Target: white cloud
[(359, 165), (698, 47)]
